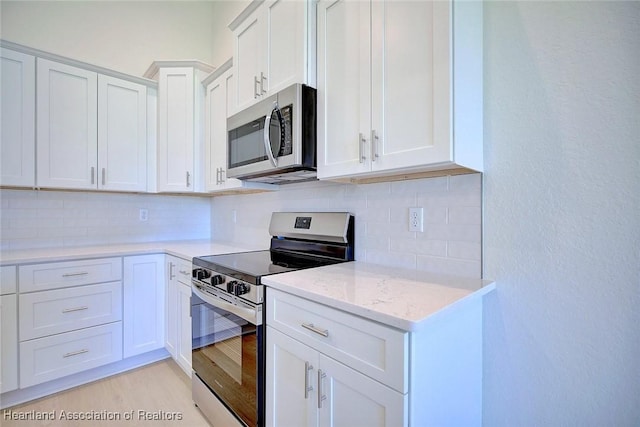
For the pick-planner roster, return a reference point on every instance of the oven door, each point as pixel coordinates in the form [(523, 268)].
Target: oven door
[(227, 355)]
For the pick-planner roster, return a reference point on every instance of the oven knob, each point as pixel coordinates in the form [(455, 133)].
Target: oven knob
[(231, 286), (241, 289), (201, 274), (218, 279)]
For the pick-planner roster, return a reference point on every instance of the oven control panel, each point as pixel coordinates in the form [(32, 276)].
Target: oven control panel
[(227, 285)]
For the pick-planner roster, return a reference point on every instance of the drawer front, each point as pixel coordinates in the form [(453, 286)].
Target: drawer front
[(63, 310), (183, 272), (48, 358), (373, 349), (8, 279), (54, 275)]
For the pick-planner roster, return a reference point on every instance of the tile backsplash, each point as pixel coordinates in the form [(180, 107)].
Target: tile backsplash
[(40, 219), (449, 244)]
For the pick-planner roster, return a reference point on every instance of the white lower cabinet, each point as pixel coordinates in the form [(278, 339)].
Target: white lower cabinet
[(178, 323), (56, 356), (70, 318), (60, 310), (144, 303), (8, 342), (308, 387), (329, 367)]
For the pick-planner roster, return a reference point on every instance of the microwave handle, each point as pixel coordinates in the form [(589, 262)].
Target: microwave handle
[(267, 143)]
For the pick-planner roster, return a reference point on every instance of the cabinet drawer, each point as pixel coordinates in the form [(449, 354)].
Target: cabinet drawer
[(183, 272), (48, 358), (375, 350), (40, 277), (8, 279), (63, 310)]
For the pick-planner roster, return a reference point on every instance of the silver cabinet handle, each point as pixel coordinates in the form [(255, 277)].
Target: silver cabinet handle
[(75, 353), (263, 78), (184, 273), (361, 142), (93, 173), (222, 172), (256, 82), (69, 310), (217, 176), (188, 179), (307, 387), (374, 145), (321, 396), (171, 276), (309, 326), (82, 273), (104, 176)]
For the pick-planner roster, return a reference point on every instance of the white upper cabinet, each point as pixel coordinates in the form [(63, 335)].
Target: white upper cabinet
[(122, 135), (274, 48), (219, 98), (17, 116), (91, 129), (67, 111), (399, 87), (180, 125)]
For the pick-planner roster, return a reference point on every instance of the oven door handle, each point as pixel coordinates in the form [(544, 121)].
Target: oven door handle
[(248, 314)]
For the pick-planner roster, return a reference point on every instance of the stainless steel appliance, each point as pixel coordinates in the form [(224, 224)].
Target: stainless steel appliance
[(274, 141), (227, 308)]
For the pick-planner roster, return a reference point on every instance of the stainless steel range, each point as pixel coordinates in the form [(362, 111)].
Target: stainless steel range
[(227, 309)]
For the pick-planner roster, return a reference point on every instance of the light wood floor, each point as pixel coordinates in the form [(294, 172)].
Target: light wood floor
[(158, 390)]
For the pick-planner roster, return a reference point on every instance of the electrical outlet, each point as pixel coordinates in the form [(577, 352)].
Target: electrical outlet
[(144, 214), (415, 219)]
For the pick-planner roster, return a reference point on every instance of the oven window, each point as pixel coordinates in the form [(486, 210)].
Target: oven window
[(246, 144), (225, 357)]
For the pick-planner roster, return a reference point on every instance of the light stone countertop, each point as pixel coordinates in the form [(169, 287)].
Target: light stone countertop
[(404, 299), (186, 249)]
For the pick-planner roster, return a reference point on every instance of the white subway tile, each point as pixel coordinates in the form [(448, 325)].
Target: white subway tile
[(449, 266), (465, 250), (464, 215)]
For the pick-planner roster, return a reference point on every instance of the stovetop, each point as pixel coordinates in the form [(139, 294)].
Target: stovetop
[(299, 240), (256, 263)]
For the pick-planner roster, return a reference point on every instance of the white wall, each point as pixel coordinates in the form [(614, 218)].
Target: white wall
[(126, 36), (450, 243), (562, 213), (41, 219)]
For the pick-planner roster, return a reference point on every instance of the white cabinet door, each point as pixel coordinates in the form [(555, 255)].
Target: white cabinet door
[(8, 343), (171, 301), (66, 128), (17, 118), (184, 327), (249, 50), (176, 118), (274, 48), (292, 373), (219, 96), (144, 298), (410, 84), (286, 49), (344, 81), (122, 135), (349, 398)]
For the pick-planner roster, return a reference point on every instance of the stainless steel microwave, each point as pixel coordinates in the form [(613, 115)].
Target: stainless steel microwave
[(274, 141)]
